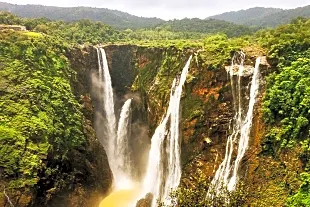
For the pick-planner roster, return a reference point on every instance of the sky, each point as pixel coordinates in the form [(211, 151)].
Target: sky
[(170, 9)]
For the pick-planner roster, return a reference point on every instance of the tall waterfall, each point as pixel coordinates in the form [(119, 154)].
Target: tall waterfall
[(116, 142), (227, 174), (164, 167), (108, 103)]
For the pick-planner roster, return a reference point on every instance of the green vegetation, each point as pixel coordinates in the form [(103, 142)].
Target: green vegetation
[(40, 119), (246, 16), (210, 26), (287, 100), (287, 103), (218, 48), (161, 34), (189, 33), (200, 196), (302, 197), (82, 31), (264, 17)]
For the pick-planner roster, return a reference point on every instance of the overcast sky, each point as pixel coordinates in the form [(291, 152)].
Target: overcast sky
[(170, 9)]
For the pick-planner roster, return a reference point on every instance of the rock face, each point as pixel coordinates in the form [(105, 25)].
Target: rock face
[(95, 175), (146, 74), (146, 201), (206, 113), (12, 27)]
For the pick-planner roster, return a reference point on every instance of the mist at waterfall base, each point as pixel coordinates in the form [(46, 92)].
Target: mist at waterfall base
[(139, 130), (125, 142), (226, 176)]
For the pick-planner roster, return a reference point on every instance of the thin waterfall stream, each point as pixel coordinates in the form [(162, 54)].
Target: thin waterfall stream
[(164, 167), (226, 176), (122, 151)]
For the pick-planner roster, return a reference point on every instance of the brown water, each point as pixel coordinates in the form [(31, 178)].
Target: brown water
[(121, 198)]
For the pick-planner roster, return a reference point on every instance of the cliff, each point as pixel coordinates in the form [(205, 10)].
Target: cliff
[(50, 154), (206, 113), (144, 74)]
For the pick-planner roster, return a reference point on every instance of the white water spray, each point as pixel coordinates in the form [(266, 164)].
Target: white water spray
[(116, 143), (122, 151), (108, 103), (227, 174), (164, 167), (246, 126)]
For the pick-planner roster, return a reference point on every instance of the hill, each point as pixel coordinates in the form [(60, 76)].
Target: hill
[(194, 28), (116, 19), (263, 17)]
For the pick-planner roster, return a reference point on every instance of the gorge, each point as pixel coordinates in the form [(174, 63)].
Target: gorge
[(163, 171), (124, 124), (156, 177)]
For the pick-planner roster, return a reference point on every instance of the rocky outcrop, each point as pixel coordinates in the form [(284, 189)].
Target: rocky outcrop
[(12, 27), (146, 201)]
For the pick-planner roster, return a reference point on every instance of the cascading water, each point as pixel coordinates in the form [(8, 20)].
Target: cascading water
[(246, 126), (226, 175), (108, 103), (164, 168), (122, 151), (116, 142)]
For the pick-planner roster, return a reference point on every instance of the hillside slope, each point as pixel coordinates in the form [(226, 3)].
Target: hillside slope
[(117, 19), (263, 17)]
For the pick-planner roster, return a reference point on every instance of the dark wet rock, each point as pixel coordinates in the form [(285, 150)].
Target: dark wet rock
[(146, 201)]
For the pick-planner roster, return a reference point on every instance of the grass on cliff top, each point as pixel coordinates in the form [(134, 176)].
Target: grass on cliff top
[(33, 34), (180, 44)]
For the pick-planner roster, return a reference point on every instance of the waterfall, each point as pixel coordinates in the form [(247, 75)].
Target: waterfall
[(122, 152), (108, 103), (226, 175), (116, 142), (164, 166)]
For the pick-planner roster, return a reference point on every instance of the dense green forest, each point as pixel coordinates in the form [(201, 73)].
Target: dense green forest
[(40, 118), (41, 122), (287, 101), (209, 26), (247, 15), (264, 17), (86, 31)]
